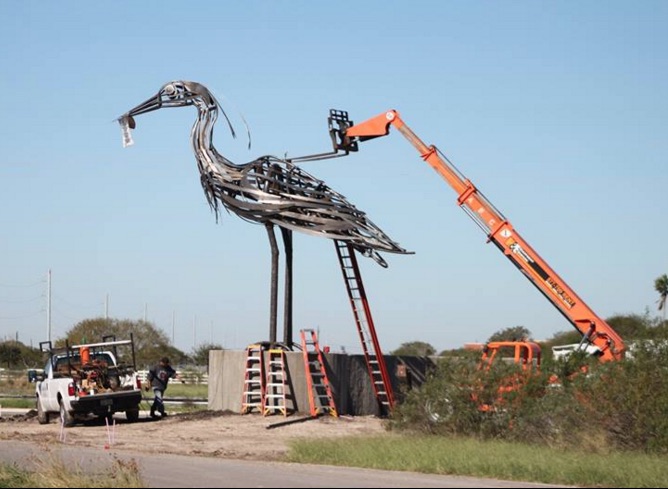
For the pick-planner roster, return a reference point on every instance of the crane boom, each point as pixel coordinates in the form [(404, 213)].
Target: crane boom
[(498, 229)]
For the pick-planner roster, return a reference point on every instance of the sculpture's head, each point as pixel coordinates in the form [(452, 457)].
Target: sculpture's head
[(178, 93)]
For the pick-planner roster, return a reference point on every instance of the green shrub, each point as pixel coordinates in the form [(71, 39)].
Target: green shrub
[(629, 399), (617, 405)]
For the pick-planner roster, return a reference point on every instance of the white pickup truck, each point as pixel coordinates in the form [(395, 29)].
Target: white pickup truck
[(97, 379)]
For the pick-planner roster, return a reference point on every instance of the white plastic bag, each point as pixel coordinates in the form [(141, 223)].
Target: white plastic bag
[(127, 124)]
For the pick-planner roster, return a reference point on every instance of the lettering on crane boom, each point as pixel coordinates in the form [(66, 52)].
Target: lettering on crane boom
[(556, 288), (560, 292)]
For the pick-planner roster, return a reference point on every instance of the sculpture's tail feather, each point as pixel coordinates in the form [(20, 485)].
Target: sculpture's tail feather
[(374, 255)]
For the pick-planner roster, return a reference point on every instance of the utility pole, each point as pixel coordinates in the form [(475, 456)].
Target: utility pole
[(173, 324), (145, 310), (106, 307), (48, 306), (194, 331)]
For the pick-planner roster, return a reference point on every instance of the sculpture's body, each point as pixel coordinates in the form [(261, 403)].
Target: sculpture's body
[(267, 190)]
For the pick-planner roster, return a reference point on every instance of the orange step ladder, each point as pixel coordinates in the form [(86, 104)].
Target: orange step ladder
[(380, 379), (254, 388), (319, 391)]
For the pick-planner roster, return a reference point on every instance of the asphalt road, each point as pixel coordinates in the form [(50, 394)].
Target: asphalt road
[(189, 471)]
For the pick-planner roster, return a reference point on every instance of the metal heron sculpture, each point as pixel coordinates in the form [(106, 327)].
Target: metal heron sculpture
[(267, 190)]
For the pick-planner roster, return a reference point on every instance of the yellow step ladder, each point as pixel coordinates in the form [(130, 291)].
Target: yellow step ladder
[(276, 385), (254, 387), (320, 396)]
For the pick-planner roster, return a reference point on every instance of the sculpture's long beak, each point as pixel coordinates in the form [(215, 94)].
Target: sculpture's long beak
[(154, 103)]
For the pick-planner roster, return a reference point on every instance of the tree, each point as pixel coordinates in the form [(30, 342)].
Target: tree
[(630, 326), (10, 354), (415, 349), (516, 333), (14, 354), (200, 355), (565, 337), (150, 342), (661, 286)]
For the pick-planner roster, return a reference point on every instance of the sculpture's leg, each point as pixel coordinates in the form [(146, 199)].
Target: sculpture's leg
[(273, 305), (287, 304)]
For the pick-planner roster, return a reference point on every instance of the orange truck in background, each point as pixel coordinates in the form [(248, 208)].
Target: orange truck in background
[(526, 355)]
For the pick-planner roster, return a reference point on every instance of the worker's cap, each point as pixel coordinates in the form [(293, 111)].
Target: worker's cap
[(164, 360)]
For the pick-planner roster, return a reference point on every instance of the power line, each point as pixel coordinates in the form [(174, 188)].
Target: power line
[(23, 316), (19, 286), (59, 312), (71, 304), (21, 301)]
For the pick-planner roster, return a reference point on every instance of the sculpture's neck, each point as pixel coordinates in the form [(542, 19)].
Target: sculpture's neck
[(202, 132), (201, 137)]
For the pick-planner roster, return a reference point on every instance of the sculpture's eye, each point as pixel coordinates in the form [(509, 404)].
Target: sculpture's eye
[(170, 90)]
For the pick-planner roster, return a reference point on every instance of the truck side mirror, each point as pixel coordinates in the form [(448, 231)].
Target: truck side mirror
[(35, 375)]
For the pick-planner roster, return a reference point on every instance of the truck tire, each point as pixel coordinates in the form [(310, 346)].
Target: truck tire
[(66, 417), (42, 416), (132, 415)]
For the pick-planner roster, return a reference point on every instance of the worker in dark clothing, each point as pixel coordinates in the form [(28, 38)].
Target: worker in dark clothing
[(159, 377)]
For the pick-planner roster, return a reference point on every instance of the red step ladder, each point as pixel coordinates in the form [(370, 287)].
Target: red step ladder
[(373, 355), (320, 397)]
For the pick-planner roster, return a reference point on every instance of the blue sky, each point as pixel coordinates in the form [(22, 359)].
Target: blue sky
[(557, 111)]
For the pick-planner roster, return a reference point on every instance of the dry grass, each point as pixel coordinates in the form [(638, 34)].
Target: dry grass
[(53, 471)]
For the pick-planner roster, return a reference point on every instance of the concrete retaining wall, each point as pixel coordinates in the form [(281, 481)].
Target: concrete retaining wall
[(348, 377)]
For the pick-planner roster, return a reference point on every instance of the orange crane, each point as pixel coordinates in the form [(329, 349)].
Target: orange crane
[(346, 136)]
